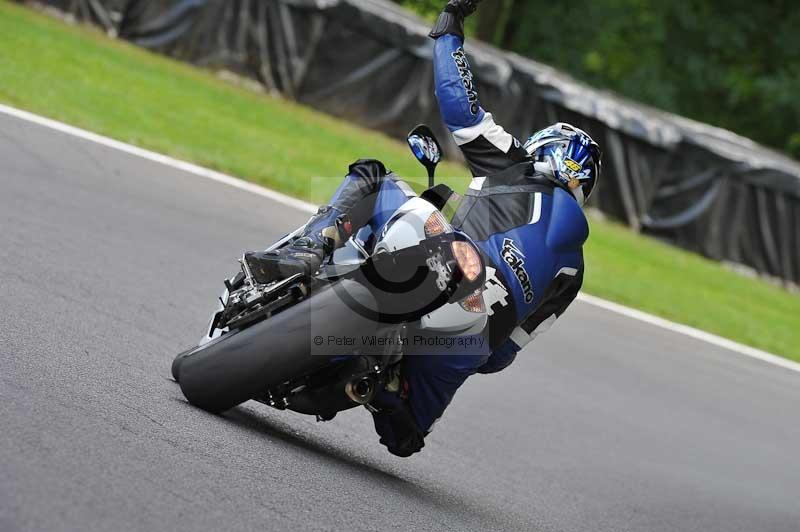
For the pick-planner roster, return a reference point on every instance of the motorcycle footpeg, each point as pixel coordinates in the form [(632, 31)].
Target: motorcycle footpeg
[(235, 282)]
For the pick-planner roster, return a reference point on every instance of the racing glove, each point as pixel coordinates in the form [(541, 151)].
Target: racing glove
[(399, 432), (395, 423), (451, 19)]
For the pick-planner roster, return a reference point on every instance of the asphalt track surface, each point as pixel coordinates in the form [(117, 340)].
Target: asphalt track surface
[(109, 265)]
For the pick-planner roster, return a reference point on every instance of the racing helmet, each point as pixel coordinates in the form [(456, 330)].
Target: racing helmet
[(573, 157)]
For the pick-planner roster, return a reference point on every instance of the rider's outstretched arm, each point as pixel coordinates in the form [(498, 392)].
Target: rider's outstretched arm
[(455, 88), (487, 147)]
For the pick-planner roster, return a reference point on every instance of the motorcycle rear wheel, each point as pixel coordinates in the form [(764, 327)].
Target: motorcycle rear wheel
[(242, 365)]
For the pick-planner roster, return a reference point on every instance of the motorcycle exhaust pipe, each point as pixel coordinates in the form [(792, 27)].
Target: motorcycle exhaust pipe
[(328, 400)]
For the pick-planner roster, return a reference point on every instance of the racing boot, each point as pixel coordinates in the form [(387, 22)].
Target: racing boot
[(324, 232)]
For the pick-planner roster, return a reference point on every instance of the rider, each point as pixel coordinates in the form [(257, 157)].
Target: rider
[(523, 209)]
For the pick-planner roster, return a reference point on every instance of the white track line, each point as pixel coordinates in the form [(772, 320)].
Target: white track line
[(691, 332), (159, 158), (308, 207)]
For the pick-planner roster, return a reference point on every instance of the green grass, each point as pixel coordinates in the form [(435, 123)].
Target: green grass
[(684, 287), (78, 75)]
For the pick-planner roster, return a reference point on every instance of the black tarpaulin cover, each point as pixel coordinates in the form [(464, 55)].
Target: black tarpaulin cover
[(697, 186)]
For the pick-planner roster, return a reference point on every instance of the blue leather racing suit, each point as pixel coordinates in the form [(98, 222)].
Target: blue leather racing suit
[(529, 230)]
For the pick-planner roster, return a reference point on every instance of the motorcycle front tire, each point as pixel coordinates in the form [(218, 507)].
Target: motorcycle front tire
[(244, 364)]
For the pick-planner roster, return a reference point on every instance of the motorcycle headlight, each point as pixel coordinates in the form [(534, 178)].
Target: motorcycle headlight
[(435, 224), (468, 259)]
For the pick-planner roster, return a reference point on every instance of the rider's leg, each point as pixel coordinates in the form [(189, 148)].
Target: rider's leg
[(367, 187), (434, 373), (369, 194)]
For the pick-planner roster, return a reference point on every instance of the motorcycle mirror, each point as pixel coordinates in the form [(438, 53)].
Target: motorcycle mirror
[(425, 148)]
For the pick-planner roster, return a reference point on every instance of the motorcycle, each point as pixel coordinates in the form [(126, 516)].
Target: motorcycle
[(330, 341)]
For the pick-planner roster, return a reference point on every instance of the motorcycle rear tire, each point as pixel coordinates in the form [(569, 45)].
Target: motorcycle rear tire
[(243, 365)]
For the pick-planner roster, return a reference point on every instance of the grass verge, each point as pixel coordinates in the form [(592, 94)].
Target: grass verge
[(80, 76)]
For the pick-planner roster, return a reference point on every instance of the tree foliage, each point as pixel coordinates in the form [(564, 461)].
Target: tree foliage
[(731, 63)]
